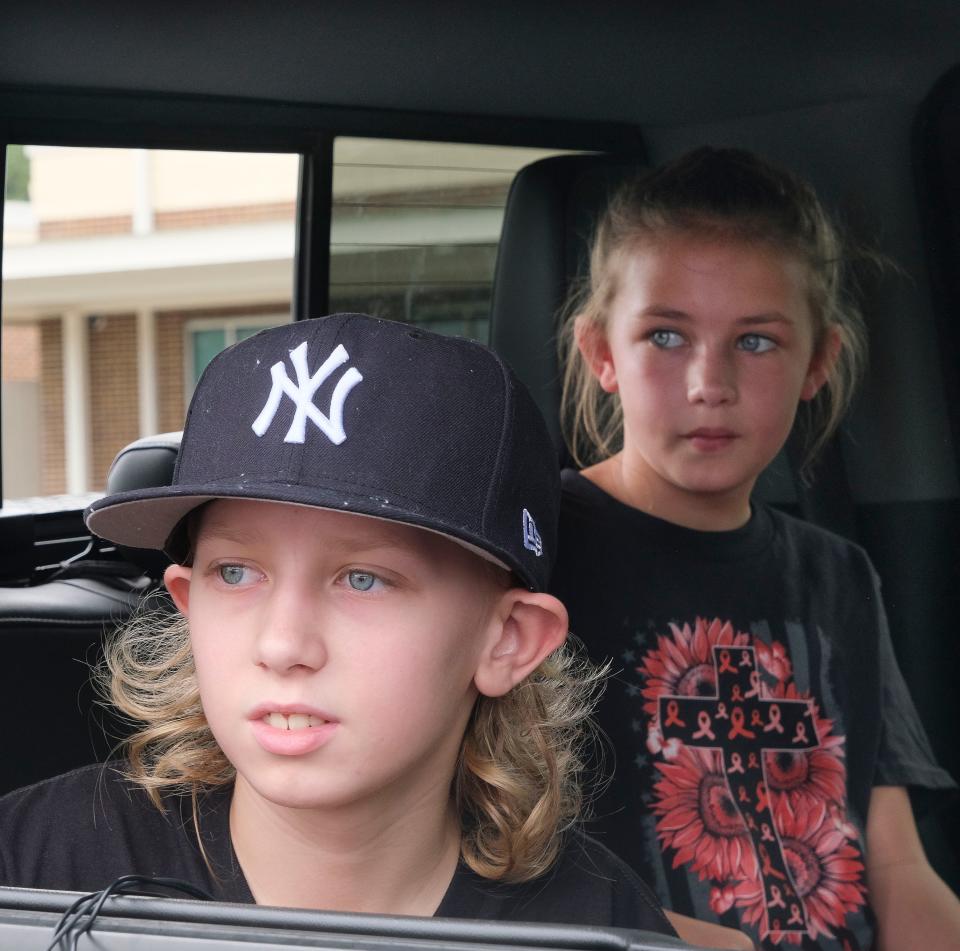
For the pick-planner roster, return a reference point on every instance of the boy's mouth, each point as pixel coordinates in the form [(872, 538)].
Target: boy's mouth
[(291, 729), (292, 721)]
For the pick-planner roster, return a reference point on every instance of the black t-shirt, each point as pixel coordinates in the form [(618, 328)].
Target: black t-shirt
[(755, 705), (82, 830)]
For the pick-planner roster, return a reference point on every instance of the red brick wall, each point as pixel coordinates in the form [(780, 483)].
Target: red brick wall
[(53, 473), (55, 228), (114, 400), (170, 404)]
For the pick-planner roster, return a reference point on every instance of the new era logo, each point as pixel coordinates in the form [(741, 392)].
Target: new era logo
[(302, 395), (531, 537)]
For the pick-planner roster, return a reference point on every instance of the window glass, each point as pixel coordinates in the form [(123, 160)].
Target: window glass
[(415, 227), (124, 272), (206, 345), (206, 338)]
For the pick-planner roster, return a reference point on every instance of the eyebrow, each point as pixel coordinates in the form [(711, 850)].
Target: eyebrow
[(670, 313), (338, 541), (225, 533)]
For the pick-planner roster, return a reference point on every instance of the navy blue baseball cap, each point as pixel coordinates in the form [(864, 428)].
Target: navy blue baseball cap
[(368, 416)]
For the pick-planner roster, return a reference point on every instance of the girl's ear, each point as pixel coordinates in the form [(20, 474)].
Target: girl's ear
[(822, 364), (527, 626), (177, 580), (593, 345)]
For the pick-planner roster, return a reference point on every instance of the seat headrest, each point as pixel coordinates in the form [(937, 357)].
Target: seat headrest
[(551, 213), (144, 463)]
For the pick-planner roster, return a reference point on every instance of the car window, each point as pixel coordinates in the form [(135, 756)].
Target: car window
[(126, 270)]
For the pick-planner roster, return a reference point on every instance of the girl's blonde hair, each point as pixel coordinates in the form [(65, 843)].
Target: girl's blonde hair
[(517, 785), (726, 195)]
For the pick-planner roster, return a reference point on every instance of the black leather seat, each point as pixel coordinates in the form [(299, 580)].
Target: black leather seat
[(52, 632)]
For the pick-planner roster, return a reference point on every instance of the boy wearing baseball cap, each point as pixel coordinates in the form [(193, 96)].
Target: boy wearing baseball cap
[(364, 701)]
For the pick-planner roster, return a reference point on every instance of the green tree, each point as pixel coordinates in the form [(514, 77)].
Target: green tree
[(17, 182)]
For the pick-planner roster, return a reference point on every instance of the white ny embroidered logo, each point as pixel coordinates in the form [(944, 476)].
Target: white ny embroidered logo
[(302, 395)]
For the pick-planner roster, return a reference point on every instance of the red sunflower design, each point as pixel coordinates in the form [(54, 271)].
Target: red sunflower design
[(825, 867), (698, 820), (697, 817), (682, 665), (816, 775)]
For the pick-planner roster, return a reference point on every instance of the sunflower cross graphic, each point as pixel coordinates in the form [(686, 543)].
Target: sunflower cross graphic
[(742, 726)]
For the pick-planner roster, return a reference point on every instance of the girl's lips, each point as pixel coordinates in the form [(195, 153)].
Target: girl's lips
[(709, 440)]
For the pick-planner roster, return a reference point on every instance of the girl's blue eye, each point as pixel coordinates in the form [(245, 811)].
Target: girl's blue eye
[(361, 580), (756, 343), (666, 339), (232, 574)]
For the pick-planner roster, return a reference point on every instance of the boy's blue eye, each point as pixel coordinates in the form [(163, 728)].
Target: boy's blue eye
[(231, 574), (755, 343), (361, 580), (666, 339)]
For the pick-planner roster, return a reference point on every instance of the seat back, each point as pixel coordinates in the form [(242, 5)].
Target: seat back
[(53, 632), (551, 212)]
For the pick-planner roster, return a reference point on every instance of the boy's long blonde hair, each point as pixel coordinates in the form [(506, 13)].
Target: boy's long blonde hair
[(723, 195), (517, 785)]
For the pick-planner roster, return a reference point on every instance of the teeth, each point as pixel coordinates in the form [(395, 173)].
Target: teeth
[(295, 721)]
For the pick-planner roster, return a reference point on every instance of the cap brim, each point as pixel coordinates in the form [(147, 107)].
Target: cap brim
[(146, 518)]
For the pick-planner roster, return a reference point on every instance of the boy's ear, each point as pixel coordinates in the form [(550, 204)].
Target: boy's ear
[(527, 626), (822, 364), (593, 345), (177, 580)]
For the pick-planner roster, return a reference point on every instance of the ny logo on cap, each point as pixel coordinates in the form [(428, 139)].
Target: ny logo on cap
[(302, 395), (531, 537)]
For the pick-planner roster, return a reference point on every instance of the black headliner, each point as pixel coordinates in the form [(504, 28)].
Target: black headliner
[(663, 62)]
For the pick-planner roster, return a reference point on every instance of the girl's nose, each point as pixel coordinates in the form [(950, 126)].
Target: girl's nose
[(289, 638), (711, 378)]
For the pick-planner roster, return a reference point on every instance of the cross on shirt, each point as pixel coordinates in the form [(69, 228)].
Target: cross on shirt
[(742, 725)]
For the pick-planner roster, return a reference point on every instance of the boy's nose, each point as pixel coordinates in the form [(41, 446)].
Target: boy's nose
[(711, 379), (289, 637)]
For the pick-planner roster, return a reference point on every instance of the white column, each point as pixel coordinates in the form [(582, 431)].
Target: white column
[(142, 192), (147, 372), (76, 400)]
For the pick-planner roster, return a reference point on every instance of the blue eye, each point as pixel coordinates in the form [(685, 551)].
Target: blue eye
[(666, 339), (361, 580), (232, 574), (755, 343)]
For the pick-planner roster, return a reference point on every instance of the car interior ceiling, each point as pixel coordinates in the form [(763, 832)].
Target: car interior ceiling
[(833, 92)]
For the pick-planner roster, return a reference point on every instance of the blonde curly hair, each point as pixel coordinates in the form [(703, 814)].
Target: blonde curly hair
[(518, 781)]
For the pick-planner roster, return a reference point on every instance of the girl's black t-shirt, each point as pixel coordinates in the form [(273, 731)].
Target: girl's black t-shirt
[(754, 705), (82, 830)]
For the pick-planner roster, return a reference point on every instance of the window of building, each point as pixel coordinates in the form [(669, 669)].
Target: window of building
[(205, 338)]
